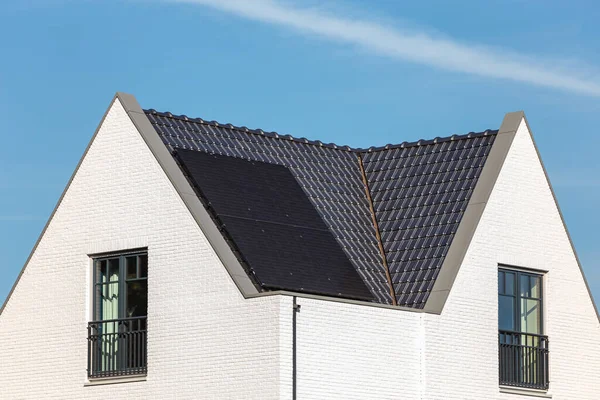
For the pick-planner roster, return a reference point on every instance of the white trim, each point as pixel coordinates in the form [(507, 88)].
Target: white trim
[(525, 391), (527, 270), (115, 380)]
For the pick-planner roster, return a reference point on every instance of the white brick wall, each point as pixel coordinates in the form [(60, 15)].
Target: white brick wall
[(357, 352), (206, 341), (521, 226), (353, 352)]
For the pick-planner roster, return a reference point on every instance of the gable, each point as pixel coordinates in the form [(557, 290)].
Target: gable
[(118, 201), (533, 208), (520, 228), (395, 214)]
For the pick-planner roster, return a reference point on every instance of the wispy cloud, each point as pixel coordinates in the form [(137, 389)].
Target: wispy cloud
[(410, 45)]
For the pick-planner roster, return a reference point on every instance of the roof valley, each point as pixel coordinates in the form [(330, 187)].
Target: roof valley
[(376, 227), (412, 194)]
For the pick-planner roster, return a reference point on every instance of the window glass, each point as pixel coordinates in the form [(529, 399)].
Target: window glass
[(530, 286), (137, 298), (143, 266), (100, 269), (121, 289), (525, 289), (113, 270), (519, 301), (117, 336), (510, 283), (506, 313), (131, 263), (103, 272), (530, 316), (523, 357), (535, 286), (109, 302)]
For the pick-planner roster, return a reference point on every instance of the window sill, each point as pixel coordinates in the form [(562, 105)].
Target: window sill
[(525, 391), (115, 380)]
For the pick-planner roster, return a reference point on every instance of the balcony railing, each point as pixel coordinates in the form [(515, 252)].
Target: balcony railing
[(523, 360), (117, 347)]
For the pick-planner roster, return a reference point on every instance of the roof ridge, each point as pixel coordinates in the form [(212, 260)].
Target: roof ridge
[(425, 142), (273, 134), (245, 129)]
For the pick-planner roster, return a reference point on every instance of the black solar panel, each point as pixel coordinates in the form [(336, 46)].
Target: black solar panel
[(419, 190), (271, 223), (329, 176)]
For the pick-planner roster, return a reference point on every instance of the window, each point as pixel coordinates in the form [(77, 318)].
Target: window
[(519, 302), (117, 334), (523, 350)]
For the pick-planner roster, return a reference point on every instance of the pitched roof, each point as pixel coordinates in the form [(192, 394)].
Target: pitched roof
[(497, 146), (417, 193), (273, 227), (419, 197)]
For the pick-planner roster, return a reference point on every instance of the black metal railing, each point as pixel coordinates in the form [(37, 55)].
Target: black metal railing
[(523, 360), (117, 347)]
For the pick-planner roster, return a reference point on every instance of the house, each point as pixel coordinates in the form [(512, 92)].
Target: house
[(195, 260)]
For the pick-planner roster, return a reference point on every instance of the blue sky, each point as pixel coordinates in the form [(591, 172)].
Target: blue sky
[(346, 71)]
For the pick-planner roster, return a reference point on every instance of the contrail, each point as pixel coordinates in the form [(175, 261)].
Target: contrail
[(417, 47)]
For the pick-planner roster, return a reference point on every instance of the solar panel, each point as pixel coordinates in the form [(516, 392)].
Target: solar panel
[(275, 228), (419, 192), (329, 176)]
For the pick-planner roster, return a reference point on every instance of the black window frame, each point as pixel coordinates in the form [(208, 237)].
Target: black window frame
[(518, 297), (523, 356), (122, 281), (117, 345)]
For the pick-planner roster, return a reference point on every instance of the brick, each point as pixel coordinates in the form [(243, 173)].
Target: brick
[(206, 341)]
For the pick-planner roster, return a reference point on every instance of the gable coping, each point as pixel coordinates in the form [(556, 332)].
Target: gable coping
[(473, 213), (188, 195)]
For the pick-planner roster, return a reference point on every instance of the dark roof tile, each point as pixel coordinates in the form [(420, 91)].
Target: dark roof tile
[(403, 203), (419, 191)]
